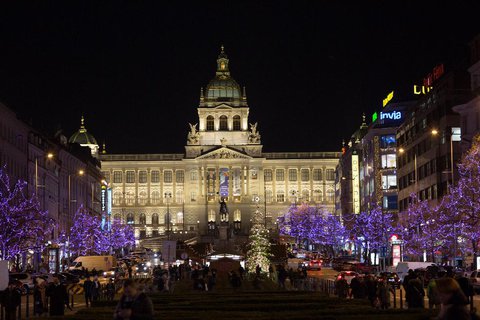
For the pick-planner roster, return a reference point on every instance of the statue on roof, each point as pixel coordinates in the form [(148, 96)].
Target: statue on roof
[(193, 135), (254, 136)]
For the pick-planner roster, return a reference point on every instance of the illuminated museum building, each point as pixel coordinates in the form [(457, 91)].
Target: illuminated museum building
[(223, 158)]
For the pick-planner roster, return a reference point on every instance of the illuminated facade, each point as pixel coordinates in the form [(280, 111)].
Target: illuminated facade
[(223, 157)]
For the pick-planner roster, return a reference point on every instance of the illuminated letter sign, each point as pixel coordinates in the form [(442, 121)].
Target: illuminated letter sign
[(434, 75), (355, 184), (374, 117), (388, 98), (394, 115), (421, 89), (104, 200)]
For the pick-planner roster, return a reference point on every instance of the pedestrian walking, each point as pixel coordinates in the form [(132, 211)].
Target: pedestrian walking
[(134, 304), (39, 297), (415, 292), (371, 287), (110, 290), (258, 270), (96, 288), (383, 292), (11, 299), (433, 295), (58, 297), (342, 287), (88, 291)]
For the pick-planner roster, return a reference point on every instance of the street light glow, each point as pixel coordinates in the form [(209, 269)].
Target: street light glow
[(49, 155), (401, 150), (81, 172), (434, 132)]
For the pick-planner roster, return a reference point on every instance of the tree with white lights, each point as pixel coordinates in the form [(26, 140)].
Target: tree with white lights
[(258, 248)]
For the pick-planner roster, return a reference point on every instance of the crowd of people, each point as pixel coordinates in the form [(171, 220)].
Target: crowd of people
[(449, 295)]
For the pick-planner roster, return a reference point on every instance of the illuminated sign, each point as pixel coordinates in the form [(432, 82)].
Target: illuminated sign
[(374, 117), (394, 115), (396, 254), (109, 201), (355, 184), (421, 89), (103, 198), (388, 98), (436, 73)]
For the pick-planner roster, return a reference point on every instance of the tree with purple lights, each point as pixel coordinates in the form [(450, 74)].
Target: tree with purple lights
[(23, 225), (86, 236), (372, 229), (315, 226), (120, 235), (466, 195)]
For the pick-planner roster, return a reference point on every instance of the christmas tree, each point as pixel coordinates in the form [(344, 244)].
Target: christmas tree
[(258, 249)]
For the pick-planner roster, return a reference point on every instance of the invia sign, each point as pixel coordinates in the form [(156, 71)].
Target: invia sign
[(393, 115)]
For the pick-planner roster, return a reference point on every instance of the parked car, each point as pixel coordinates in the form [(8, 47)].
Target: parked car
[(313, 264), (69, 278), (25, 279), (337, 262), (349, 275), (475, 279), (392, 278), (348, 265), (362, 267)]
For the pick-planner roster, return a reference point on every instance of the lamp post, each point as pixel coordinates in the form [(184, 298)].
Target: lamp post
[(80, 173), (168, 196)]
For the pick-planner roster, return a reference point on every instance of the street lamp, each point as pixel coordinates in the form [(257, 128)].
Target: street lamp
[(80, 173), (168, 196), (48, 156)]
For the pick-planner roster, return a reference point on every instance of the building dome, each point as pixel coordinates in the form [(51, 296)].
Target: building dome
[(82, 136), (223, 87), (85, 139)]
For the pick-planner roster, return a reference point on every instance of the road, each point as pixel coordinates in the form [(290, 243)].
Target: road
[(329, 273)]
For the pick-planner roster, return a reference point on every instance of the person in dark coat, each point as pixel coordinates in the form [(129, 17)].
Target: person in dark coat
[(371, 286), (110, 290), (88, 291), (11, 299), (416, 292), (95, 288), (134, 304), (58, 297), (39, 297)]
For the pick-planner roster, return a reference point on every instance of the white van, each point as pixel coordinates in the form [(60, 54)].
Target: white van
[(403, 267), (100, 263)]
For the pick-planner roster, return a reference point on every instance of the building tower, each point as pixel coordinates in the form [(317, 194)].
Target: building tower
[(85, 139)]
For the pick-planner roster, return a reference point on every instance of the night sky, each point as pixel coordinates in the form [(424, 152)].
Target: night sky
[(135, 68)]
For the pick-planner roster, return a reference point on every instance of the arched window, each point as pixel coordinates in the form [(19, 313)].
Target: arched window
[(223, 123), (236, 123), (330, 195), (210, 123), (155, 218), (179, 196), (280, 196), (211, 216), (155, 197), (237, 215), (143, 218), (117, 198), (318, 195), (306, 195), (130, 218), (130, 198), (180, 217), (142, 197)]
